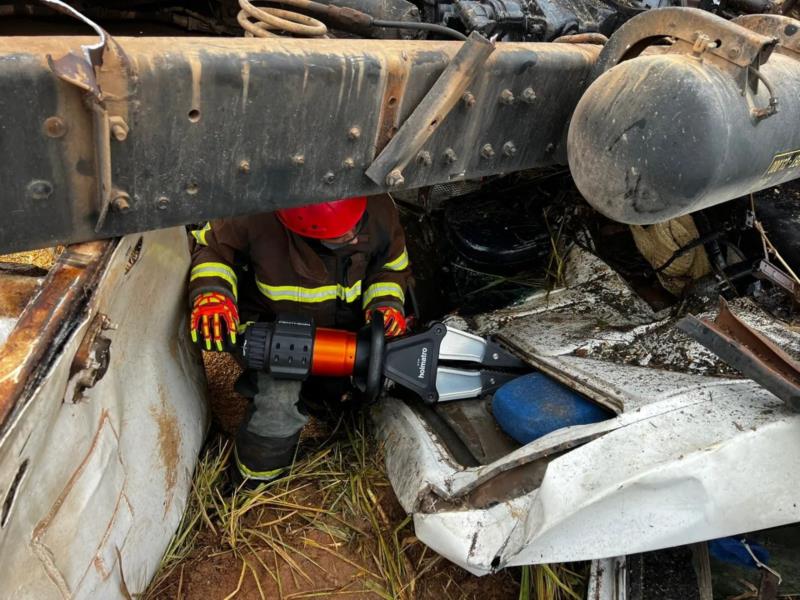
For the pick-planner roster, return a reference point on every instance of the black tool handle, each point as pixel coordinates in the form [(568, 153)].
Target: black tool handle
[(368, 368), (283, 348)]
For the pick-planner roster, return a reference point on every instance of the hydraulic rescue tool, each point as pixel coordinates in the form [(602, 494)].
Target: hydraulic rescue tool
[(431, 364)]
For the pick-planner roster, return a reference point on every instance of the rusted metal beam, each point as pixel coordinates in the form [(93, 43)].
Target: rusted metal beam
[(430, 113), (748, 352), (784, 29), (206, 127)]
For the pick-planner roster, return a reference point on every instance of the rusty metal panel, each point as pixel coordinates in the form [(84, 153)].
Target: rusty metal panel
[(204, 128), (47, 320), (17, 290)]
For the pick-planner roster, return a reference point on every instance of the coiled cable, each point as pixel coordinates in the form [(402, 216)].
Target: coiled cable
[(262, 21)]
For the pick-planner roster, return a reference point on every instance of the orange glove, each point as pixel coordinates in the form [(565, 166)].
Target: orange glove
[(394, 323), (209, 311)]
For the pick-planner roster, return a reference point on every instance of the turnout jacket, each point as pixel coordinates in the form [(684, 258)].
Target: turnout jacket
[(268, 269)]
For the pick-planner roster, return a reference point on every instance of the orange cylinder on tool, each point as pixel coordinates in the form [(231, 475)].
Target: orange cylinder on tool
[(334, 353)]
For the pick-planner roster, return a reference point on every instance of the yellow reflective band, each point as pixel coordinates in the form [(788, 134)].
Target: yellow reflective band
[(294, 293), (399, 263), (200, 234), (385, 288), (215, 269), (251, 474)]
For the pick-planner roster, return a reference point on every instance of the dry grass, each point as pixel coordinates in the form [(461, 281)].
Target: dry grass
[(557, 263), (330, 511), (330, 528), (44, 258), (551, 582)]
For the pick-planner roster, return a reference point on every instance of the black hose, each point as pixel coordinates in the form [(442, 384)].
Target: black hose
[(432, 27), (701, 241)]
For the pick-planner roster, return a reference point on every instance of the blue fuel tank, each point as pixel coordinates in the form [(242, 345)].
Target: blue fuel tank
[(533, 405)]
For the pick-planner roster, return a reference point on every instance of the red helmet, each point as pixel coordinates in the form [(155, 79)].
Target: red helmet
[(326, 220)]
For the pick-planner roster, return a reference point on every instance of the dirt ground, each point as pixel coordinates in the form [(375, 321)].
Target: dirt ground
[(333, 528)]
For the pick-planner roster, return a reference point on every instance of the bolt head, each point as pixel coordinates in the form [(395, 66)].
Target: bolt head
[(162, 203), (349, 163), (507, 97), (528, 95), (354, 133), (121, 202), (329, 177), (469, 99), (119, 132), (487, 151), (244, 167), (424, 158), (734, 51), (298, 159), (119, 128), (39, 189), (54, 127), (450, 155), (395, 178), (509, 149)]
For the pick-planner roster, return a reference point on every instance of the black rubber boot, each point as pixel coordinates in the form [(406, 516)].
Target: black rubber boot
[(268, 437), (257, 459)]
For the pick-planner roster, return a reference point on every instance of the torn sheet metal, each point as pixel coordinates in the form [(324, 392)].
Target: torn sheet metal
[(677, 464), (94, 477)]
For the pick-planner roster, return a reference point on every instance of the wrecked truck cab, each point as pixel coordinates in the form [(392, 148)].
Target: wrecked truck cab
[(90, 413), (676, 464), (103, 415)]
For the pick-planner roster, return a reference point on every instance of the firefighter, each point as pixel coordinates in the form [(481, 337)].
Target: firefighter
[(336, 262)]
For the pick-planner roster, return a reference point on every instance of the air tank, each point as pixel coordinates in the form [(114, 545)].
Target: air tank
[(665, 134)]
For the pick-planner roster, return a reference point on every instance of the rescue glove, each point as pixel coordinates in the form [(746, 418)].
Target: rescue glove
[(209, 311), (394, 322)]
